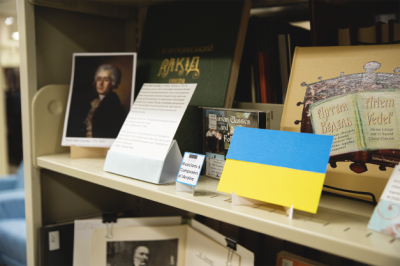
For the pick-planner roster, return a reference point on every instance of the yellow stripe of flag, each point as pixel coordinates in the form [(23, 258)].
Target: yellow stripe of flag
[(273, 184)]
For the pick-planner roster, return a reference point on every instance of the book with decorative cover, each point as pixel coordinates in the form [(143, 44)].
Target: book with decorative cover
[(188, 42), (360, 111), (218, 127), (360, 121), (353, 94)]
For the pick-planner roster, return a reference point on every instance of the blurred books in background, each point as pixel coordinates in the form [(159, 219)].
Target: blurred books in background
[(267, 59), (380, 33)]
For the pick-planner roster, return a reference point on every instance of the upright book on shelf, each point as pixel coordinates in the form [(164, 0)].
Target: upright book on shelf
[(327, 17), (188, 42), (379, 33), (353, 94)]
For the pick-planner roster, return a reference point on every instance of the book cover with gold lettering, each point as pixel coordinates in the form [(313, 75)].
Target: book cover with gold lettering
[(353, 94), (194, 42)]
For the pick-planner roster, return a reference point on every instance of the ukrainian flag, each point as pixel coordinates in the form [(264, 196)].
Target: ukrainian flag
[(279, 167)]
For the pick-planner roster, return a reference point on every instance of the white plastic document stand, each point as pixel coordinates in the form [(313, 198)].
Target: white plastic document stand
[(146, 169)]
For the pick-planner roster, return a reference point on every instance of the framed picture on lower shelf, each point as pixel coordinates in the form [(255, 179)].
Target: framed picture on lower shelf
[(158, 245)]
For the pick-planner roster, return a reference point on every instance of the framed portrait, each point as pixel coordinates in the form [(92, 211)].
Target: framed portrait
[(177, 245), (147, 245), (145, 252), (100, 97)]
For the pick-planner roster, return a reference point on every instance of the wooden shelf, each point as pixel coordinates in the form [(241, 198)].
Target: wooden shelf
[(339, 227)]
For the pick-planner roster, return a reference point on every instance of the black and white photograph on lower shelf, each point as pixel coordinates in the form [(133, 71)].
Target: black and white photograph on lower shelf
[(149, 245), (141, 253), (178, 245), (100, 97)]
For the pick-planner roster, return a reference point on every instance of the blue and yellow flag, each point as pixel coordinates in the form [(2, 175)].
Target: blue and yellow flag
[(279, 167)]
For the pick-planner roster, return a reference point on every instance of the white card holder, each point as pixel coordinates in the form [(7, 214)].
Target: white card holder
[(145, 169), (185, 188), (243, 201)]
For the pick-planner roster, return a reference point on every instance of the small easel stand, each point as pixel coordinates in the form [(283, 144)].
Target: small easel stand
[(88, 152), (243, 201), (185, 188)]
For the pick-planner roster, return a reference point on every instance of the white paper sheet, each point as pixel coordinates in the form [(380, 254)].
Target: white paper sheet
[(203, 251), (84, 229), (246, 256), (153, 120)]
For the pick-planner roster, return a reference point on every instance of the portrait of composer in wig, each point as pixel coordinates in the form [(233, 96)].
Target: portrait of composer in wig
[(106, 115), (96, 110)]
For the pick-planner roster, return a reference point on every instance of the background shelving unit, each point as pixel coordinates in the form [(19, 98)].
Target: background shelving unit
[(58, 188)]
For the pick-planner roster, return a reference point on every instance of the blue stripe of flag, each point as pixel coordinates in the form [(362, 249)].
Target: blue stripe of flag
[(301, 151)]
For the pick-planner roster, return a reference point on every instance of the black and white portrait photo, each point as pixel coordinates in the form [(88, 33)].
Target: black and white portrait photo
[(142, 253), (101, 94)]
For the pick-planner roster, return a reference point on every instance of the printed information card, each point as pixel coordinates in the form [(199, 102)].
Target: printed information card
[(153, 120), (145, 142), (386, 218), (190, 169)]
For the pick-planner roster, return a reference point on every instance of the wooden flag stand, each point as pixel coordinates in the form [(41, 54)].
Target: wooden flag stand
[(88, 152)]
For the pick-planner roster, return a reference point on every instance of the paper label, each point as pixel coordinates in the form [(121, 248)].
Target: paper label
[(386, 216), (392, 189), (215, 165), (286, 262), (153, 120), (190, 169), (212, 121), (54, 240)]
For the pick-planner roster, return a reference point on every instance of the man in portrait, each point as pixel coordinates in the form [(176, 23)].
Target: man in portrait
[(141, 256), (101, 94), (106, 115)]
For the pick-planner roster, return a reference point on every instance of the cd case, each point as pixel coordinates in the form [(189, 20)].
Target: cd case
[(218, 127)]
